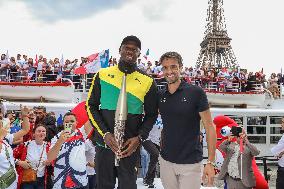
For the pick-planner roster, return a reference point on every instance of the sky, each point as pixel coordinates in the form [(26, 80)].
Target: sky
[(78, 28)]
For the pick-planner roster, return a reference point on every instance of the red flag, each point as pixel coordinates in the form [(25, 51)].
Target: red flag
[(36, 62)]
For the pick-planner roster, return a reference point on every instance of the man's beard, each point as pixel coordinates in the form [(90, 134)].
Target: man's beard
[(172, 81)]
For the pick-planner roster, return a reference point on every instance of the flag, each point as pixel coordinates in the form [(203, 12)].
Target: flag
[(61, 63), (7, 57), (92, 57), (36, 62), (147, 54), (101, 61)]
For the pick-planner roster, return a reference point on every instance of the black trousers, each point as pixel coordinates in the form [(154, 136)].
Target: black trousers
[(280, 178), (107, 172), (153, 150)]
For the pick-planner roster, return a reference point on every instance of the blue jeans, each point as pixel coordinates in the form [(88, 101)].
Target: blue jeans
[(38, 184), (145, 158)]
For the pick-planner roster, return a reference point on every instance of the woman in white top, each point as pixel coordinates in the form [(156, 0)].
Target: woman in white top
[(33, 154), (8, 176)]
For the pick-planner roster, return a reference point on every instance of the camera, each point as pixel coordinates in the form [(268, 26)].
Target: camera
[(236, 131)]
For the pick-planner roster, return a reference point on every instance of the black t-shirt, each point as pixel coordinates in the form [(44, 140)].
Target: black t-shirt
[(181, 123)]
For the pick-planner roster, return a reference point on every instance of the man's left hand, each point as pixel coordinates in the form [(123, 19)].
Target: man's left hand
[(208, 175), (131, 146)]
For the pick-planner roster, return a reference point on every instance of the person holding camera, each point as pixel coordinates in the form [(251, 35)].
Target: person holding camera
[(68, 151), (278, 151), (237, 166)]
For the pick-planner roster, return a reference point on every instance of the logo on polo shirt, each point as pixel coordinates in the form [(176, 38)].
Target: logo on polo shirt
[(184, 99), (163, 99)]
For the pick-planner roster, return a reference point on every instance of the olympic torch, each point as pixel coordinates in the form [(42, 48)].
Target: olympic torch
[(120, 119)]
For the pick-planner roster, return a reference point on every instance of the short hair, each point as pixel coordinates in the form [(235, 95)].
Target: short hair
[(40, 107), (39, 125), (173, 55), (70, 114)]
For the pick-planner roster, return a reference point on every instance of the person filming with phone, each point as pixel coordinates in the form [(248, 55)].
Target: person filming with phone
[(68, 151), (239, 153)]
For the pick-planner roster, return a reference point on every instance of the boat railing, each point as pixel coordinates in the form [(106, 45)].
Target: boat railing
[(256, 87)]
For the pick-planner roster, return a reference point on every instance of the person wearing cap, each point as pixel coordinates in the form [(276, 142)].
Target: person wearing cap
[(101, 107)]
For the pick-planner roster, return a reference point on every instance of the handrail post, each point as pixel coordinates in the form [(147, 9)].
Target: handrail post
[(265, 168)]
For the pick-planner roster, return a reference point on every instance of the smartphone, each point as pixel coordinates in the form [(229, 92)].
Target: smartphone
[(68, 127), (236, 131)]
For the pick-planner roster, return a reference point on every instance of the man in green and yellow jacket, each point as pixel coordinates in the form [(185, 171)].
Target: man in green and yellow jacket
[(142, 113)]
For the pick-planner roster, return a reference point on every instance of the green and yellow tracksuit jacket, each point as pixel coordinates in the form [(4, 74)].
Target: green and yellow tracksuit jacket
[(141, 99)]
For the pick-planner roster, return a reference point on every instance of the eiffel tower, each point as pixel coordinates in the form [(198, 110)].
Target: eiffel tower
[(216, 50)]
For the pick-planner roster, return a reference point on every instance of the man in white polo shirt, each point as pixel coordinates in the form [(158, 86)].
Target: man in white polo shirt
[(278, 151)]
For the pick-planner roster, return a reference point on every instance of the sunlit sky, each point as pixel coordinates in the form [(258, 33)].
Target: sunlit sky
[(78, 28)]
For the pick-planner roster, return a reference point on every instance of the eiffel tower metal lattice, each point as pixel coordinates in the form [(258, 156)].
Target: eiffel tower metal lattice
[(216, 50)]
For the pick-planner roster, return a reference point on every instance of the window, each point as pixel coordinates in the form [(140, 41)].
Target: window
[(257, 139), (275, 130), (274, 139), (256, 120), (256, 130), (275, 120)]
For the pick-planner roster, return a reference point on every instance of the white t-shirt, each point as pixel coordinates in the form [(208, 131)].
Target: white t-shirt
[(155, 133), (33, 155), (5, 165), (71, 160), (90, 156)]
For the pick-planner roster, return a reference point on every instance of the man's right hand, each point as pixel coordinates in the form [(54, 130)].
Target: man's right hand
[(64, 136), (111, 142)]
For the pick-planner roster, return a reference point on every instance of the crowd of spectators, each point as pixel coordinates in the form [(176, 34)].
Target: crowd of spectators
[(24, 68)]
